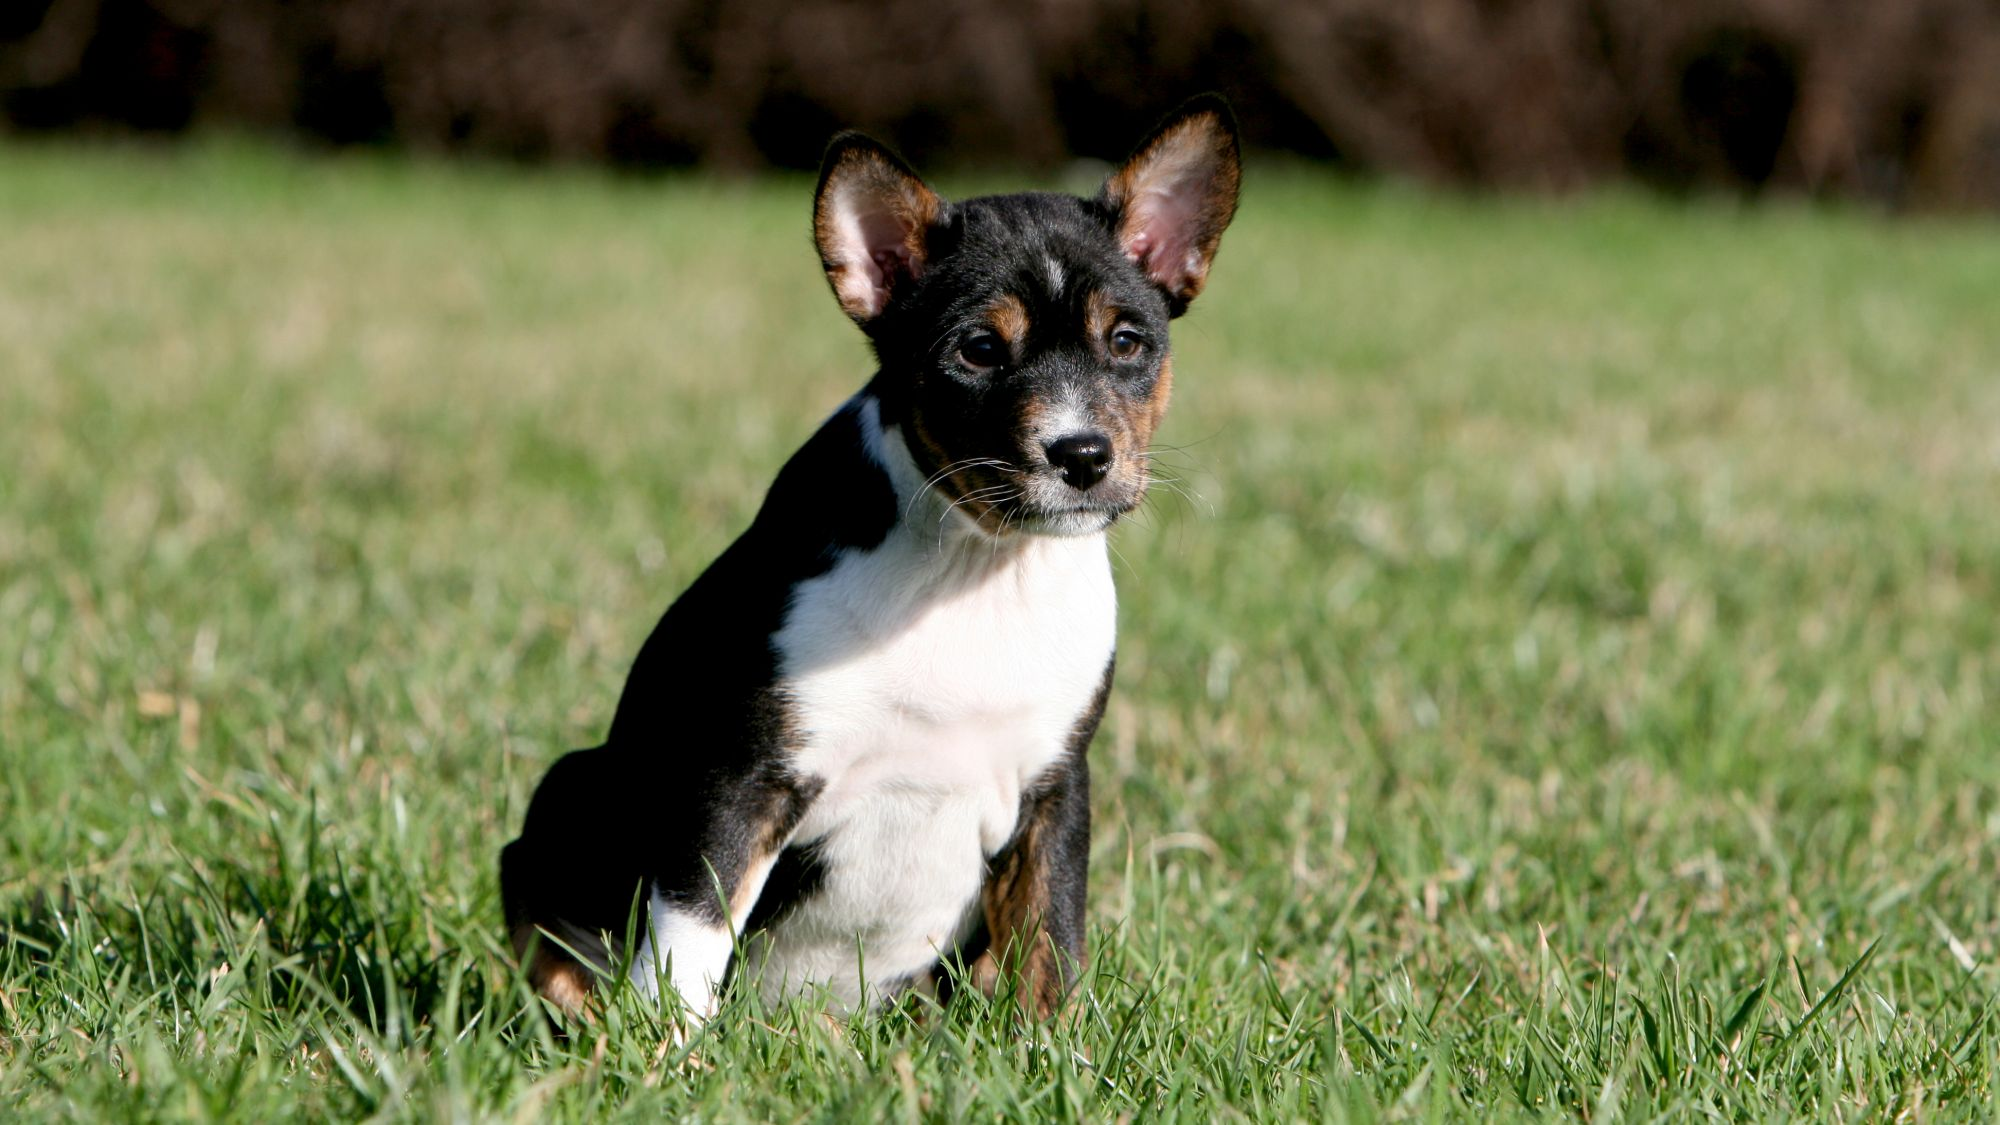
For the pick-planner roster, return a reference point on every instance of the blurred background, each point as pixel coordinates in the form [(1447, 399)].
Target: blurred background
[(1897, 101)]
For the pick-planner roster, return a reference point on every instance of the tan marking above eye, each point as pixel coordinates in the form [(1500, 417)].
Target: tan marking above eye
[(1009, 317), (1103, 320), (1100, 315)]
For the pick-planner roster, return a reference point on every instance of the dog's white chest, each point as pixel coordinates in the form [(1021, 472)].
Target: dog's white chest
[(929, 693), (962, 685)]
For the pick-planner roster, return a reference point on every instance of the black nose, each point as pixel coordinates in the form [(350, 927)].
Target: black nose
[(1083, 458)]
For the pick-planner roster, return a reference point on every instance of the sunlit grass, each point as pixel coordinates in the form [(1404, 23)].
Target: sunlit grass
[(1562, 678)]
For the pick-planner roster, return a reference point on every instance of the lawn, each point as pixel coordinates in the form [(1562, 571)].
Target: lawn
[(1564, 679)]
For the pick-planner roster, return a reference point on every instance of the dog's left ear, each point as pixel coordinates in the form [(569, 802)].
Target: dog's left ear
[(1176, 195), (871, 218)]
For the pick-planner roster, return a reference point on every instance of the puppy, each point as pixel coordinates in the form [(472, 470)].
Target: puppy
[(857, 742)]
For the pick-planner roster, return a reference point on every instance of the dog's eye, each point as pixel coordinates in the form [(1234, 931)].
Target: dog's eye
[(983, 349), (1125, 343)]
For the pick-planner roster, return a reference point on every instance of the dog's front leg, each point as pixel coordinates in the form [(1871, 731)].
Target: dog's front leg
[(1033, 898), (686, 950), (696, 910)]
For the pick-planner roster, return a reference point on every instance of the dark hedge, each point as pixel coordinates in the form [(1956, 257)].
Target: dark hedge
[(1893, 99)]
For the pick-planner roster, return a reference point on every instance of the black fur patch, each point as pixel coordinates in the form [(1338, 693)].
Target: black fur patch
[(797, 875), (691, 780)]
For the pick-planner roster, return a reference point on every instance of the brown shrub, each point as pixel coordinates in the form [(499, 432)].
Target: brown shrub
[(1899, 101)]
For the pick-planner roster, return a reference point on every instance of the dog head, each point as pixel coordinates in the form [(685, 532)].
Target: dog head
[(1023, 338)]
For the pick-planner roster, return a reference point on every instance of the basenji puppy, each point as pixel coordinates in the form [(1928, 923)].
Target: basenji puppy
[(856, 744)]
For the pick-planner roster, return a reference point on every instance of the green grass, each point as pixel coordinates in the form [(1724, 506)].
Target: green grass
[(1570, 688)]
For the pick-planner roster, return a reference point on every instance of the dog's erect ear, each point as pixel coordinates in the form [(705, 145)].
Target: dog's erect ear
[(1175, 196), (871, 218)]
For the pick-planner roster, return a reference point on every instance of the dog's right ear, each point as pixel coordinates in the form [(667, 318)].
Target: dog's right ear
[(1176, 195), (871, 218)]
